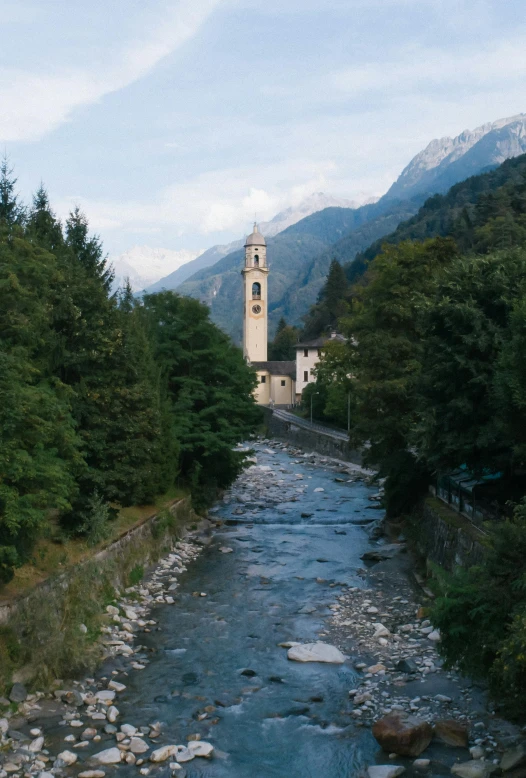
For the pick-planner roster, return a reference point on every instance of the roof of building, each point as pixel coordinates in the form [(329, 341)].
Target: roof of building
[(255, 238), (277, 368), (321, 341)]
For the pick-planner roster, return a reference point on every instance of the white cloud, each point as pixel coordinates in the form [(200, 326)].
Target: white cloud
[(36, 103), (433, 68), (218, 201)]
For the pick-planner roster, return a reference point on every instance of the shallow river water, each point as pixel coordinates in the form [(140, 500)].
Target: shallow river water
[(282, 719)]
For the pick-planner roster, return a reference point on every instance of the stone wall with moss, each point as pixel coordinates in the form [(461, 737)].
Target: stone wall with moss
[(53, 632), (446, 538)]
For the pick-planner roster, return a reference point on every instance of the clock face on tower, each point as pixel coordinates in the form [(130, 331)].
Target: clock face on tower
[(256, 309)]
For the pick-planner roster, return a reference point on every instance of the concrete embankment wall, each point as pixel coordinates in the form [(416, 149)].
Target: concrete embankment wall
[(310, 439), (446, 538), (52, 631)]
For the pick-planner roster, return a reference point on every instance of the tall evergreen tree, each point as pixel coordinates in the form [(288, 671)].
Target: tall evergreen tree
[(43, 228), (87, 248), (39, 448), (11, 210), (282, 348), (332, 304)]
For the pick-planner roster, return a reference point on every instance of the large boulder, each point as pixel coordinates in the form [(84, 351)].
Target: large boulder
[(402, 734), (316, 652), (18, 693), (513, 757), (453, 733)]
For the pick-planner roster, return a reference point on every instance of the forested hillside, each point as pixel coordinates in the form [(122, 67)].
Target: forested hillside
[(434, 373), (105, 402), (480, 213)]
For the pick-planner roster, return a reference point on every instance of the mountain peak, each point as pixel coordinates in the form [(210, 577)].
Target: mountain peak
[(444, 161)]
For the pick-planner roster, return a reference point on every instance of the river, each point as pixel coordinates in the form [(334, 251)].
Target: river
[(280, 718)]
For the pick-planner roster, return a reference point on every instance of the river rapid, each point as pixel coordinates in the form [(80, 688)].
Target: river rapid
[(296, 536)]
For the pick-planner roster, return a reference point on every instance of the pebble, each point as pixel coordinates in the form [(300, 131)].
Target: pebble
[(67, 757)]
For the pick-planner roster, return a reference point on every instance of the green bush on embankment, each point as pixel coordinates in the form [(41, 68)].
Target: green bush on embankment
[(481, 612)]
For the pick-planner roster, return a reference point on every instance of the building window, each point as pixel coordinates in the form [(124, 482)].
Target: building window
[(256, 260), (256, 291), (283, 383), (306, 375), (305, 352), (319, 353), (263, 379)]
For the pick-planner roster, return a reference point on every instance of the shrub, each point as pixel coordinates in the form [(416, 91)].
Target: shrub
[(95, 525), (481, 613)]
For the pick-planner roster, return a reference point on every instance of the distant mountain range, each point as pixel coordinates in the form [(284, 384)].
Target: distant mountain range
[(143, 265), (299, 256), (312, 204)]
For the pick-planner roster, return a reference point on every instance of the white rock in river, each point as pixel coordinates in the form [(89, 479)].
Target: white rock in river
[(319, 489), (113, 714), (105, 695), (184, 754), (434, 636), (475, 769), (163, 753), (128, 729), (421, 764), (92, 774), (201, 748), (316, 652), (385, 771), (36, 745), (109, 756), (380, 631), (116, 686), (138, 745), (67, 757)]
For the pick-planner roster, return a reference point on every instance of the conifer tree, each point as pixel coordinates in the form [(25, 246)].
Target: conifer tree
[(43, 228), (39, 448), (283, 345), (87, 248), (11, 210)]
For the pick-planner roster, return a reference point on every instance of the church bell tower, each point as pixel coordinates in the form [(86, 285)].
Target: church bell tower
[(255, 278)]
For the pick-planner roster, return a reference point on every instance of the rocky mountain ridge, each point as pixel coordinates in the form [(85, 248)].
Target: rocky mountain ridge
[(445, 161), (315, 202)]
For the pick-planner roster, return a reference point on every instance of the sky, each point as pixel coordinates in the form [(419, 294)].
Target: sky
[(171, 122)]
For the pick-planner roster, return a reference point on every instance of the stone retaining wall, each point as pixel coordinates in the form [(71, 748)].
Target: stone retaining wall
[(136, 542), (310, 440), (446, 538)]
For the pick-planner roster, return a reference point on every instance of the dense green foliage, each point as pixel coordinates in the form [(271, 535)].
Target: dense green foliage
[(482, 613), (104, 401), (482, 213), (209, 388), (434, 364)]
